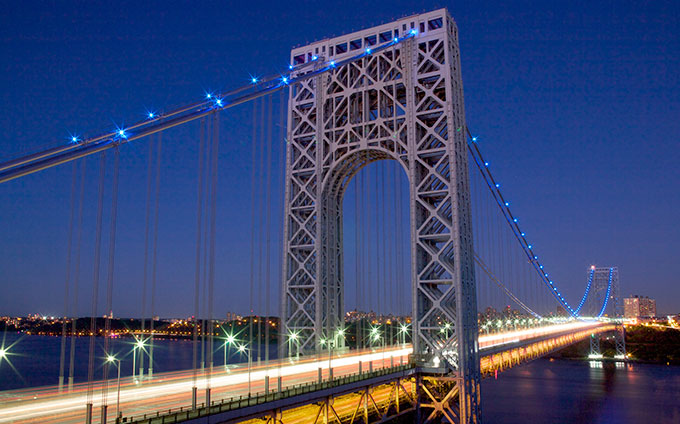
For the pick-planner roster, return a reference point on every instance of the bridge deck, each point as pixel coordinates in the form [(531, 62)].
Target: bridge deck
[(170, 393)]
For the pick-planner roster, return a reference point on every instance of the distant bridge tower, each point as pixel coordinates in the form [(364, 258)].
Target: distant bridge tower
[(404, 103), (603, 299)]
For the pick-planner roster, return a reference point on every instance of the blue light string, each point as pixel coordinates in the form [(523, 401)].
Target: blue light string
[(512, 221), (155, 122), (609, 289), (585, 295)]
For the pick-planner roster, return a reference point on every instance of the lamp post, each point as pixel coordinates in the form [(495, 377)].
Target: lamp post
[(230, 340), (113, 359), (403, 330), (243, 349), (293, 338)]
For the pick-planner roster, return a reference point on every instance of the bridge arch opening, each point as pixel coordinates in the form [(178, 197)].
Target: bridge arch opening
[(367, 249)]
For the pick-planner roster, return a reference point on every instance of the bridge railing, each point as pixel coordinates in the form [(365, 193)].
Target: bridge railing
[(233, 403)]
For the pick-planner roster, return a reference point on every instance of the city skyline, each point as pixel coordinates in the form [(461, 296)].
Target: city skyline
[(544, 94)]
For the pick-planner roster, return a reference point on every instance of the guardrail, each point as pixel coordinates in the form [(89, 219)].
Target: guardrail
[(229, 404)]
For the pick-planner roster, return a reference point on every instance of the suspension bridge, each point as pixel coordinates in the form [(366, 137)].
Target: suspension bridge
[(386, 195)]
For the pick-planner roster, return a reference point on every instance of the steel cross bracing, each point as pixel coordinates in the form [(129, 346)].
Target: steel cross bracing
[(602, 293), (404, 103)]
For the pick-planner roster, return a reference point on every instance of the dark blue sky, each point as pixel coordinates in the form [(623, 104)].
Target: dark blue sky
[(576, 105)]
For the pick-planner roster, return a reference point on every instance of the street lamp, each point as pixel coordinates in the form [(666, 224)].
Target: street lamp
[(403, 330), (230, 340), (113, 359), (243, 349), (293, 337), (3, 353), (139, 344)]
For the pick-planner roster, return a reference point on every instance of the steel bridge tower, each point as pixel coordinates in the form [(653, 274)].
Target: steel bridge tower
[(404, 103)]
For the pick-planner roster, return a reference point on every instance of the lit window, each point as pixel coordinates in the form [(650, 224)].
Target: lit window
[(299, 59)]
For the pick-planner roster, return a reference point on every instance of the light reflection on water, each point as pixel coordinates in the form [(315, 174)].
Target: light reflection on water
[(561, 391)]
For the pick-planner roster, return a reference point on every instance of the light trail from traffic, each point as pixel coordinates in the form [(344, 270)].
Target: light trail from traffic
[(173, 390)]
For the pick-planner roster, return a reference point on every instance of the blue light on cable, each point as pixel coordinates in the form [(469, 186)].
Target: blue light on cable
[(529, 246), (253, 80), (368, 50), (486, 163), (121, 133), (315, 57), (218, 102), (332, 64), (514, 220), (151, 115), (208, 95), (498, 185), (285, 80), (414, 31), (507, 203), (290, 66), (474, 139), (396, 40)]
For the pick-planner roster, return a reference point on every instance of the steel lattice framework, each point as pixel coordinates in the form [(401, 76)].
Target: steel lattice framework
[(602, 293), (404, 103)]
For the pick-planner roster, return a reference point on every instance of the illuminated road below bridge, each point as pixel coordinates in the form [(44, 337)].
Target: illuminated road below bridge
[(171, 391)]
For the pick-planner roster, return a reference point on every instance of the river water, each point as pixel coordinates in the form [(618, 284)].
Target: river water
[(543, 391)]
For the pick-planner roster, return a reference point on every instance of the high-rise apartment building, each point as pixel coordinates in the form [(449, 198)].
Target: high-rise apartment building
[(639, 306)]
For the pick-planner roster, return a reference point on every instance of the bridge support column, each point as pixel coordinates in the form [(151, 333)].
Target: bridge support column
[(279, 384), (207, 397), (194, 396), (88, 414), (595, 352), (266, 384), (620, 340), (438, 399), (103, 414)]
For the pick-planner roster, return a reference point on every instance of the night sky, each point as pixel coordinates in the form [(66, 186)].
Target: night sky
[(576, 105)]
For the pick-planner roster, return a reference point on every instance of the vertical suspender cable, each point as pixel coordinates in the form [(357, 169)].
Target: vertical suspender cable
[(154, 257), (361, 306), (383, 230), (147, 218), (76, 279), (197, 274), (357, 256), (213, 212), (267, 228), (95, 286), (62, 357), (397, 241), (376, 210), (282, 161), (252, 224), (110, 269), (206, 230)]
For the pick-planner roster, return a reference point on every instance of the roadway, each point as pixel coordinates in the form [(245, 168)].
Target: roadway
[(173, 390)]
